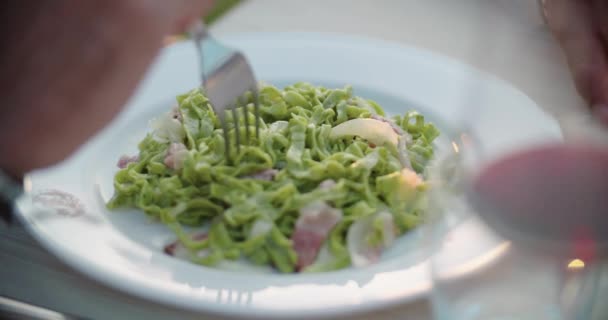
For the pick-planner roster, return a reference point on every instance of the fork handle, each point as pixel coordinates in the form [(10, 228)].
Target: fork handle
[(198, 30), (13, 309), (212, 54)]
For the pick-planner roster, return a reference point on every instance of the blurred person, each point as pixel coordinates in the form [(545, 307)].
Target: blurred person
[(67, 67), (581, 28)]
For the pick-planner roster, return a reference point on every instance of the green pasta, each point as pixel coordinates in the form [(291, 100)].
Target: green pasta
[(322, 155)]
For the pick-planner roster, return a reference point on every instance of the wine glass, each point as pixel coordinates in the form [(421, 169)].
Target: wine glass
[(496, 252), (489, 263)]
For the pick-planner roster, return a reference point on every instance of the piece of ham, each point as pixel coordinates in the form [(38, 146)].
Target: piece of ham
[(177, 249), (176, 155), (312, 228), (124, 161), (411, 179), (327, 184)]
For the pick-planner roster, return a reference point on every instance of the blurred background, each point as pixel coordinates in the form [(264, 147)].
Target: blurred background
[(219, 9)]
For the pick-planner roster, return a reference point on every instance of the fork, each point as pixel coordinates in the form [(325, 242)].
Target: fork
[(226, 79)]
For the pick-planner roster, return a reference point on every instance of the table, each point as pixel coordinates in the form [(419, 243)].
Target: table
[(504, 37)]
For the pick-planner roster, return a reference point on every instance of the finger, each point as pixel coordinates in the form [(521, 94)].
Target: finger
[(600, 11), (572, 23)]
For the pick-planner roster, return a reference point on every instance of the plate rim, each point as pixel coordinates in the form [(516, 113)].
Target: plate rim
[(83, 266)]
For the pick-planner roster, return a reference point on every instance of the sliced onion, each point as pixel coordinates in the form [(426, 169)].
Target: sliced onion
[(166, 128), (369, 161), (398, 130), (361, 252), (372, 130), (327, 184), (265, 175), (279, 126), (178, 250), (260, 227), (388, 227), (318, 217), (124, 161), (404, 157)]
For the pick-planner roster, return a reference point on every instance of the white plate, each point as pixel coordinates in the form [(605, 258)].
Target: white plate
[(124, 249)]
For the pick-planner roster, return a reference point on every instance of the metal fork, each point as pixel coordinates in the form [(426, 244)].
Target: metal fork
[(226, 80)]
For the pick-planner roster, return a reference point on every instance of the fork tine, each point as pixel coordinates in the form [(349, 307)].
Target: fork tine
[(237, 131), (246, 114), (198, 32), (221, 115), (256, 111), (226, 76)]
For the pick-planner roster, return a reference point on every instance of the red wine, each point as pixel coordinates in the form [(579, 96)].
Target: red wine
[(555, 195)]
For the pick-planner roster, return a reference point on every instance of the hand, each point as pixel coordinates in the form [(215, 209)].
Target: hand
[(561, 192), (581, 27), (68, 67)]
